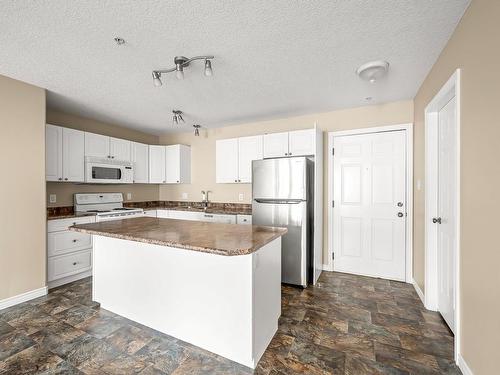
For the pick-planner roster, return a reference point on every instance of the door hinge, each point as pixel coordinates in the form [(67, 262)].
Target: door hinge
[(333, 203), (333, 255), (333, 151)]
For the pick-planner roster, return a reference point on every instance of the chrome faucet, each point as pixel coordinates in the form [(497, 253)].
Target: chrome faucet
[(204, 198)]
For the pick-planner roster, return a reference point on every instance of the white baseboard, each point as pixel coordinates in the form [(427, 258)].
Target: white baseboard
[(23, 297), (327, 267), (69, 279), (419, 291), (462, 365)]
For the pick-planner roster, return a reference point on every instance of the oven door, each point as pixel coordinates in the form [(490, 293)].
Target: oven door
[(105, 173)]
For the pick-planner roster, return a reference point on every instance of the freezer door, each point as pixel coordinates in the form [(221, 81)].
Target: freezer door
[(290, 215), (283, 178)]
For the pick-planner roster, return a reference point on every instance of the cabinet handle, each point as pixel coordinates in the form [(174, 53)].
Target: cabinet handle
[(60, 178), (235, 180), (66, 179), (112, 157), (75, 240), (74, 222), (177, 181), (74, 263)]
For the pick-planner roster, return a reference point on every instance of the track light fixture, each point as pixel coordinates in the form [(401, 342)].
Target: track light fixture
[(196, 130), (182, 62), (177, 117)]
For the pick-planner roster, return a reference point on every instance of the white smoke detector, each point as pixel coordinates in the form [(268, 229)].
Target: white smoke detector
[(373, 70)]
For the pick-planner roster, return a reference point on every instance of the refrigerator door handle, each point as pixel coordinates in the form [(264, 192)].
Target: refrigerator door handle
[(279, 201)]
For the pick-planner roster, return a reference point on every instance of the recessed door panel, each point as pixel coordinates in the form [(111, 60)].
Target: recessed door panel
[(352, 235), (351, 184), (382, 244)]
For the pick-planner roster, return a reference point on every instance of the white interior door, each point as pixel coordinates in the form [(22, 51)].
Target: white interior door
[(446, 220), (369, 214)]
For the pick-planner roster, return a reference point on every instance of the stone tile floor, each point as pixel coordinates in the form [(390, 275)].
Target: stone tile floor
[(346, 325)]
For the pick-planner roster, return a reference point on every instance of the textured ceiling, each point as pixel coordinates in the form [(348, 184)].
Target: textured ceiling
[(273, 58)]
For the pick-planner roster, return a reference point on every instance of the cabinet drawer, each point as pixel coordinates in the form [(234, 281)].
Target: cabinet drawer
[(63, 224), (244, 219), (69, 264), (67, 241), (150, 213), (184, 215), (226, 219)]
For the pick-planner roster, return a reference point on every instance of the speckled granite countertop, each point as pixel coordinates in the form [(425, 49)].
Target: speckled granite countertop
[(215, 238)]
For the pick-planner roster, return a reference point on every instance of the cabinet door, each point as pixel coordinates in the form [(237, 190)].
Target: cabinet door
[(172, 164), (140, 158), (302, 142), (73, 146), (249, 148), (97, 145), (53, 153), (156, 164), (226, 161), (226, 219), (275, 145), (119, 149)]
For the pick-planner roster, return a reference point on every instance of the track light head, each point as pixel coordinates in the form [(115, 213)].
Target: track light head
[(156, 79), (208, 68)]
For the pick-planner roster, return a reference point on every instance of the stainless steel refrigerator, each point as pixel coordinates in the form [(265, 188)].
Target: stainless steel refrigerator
[(283, 196)]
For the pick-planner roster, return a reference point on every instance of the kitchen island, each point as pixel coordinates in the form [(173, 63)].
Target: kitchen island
[(216, 286)]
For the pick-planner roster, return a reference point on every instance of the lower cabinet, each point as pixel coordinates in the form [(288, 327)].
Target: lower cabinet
[(69, 254)]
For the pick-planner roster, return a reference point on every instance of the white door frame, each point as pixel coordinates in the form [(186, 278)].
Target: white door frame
[(450, 89), (409, 190)]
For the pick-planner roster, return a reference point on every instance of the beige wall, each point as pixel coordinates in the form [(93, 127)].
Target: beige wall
[(22, 162), (474, 49), (203, 148), (64, 191)]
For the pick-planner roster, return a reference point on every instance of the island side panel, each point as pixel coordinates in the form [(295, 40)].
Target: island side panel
[(204, 299), (266, 296)]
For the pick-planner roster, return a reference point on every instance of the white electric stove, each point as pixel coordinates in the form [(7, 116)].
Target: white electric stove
[(106, 206)]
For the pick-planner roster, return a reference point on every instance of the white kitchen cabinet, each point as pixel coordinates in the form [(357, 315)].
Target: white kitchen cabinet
[(302, 142), (275, 145), (157, 164), (293, 143), (185, 215), (73, 146), (234, 158), (162, 214), (140, 159), (249, 149), (97, 145), (226, 161), (226, 219), (53, 153), (243, 219), (178, 164), (68, 253), (119, 149)]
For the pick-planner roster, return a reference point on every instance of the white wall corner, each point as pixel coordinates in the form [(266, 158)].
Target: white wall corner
[(23, 297), (462, 365), (419, 291), (327, 267)]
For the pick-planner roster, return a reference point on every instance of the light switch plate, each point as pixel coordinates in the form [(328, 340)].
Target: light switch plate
[(129, 196), (184, 195), (241, 196), (52, 198)]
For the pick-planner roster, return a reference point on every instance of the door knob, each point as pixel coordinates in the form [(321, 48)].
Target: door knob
[(436, 220), (400, 214), (400, 204)]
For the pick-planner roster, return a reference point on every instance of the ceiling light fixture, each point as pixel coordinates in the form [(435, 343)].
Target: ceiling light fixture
[(196, 130), (373, 70), (177, 117), (182, 62)]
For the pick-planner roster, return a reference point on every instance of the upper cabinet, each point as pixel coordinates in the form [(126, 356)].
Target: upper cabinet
[(102, 146), (53, 153), (178, 164), (140, 159), (97, 145), (157, 164), (294, 143), (64, 154), (249, 149), (234, 158)]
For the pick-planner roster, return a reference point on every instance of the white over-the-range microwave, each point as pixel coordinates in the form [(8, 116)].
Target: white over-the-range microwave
[(106, 171)]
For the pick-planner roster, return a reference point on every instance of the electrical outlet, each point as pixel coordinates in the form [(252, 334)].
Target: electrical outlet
[(129, 196), (419, 185), (241, 196), (52, 198), (184, 195)]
